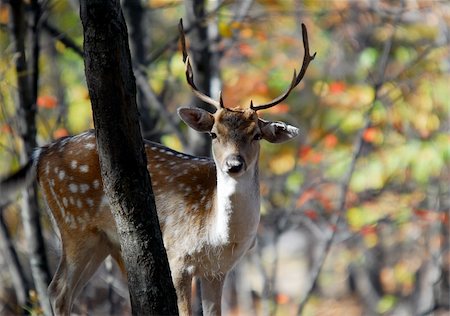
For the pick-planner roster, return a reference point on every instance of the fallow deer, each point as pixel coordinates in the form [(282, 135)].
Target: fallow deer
[(208, 209)]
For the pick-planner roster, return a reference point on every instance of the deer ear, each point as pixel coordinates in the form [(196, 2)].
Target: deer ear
[(277, 132), (198, 119)]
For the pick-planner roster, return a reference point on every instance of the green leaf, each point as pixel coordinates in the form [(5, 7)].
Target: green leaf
[(386, 303)]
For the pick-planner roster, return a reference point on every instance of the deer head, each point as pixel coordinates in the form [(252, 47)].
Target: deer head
[(236, 132)]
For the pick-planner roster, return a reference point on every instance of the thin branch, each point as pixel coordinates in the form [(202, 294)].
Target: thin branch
[(151, 98), (20, 282), (359, 142), (173, 42), (62, 37)]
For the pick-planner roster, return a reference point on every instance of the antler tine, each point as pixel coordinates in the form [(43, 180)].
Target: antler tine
[(296, 78), (190, 73)]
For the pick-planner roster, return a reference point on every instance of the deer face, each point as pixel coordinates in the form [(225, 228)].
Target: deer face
[(235, 135), (236, 132)]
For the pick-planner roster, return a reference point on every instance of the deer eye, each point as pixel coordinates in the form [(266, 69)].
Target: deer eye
[(213, 135), (257, 136)]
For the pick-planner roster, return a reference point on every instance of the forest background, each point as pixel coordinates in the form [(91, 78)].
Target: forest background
[(355, 212)]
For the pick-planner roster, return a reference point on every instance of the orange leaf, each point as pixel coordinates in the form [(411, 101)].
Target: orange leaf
[(315, 157), (312, 214), (367, 230), (330, 141), (246, 50), (337, 87), (305, 197), (304, 152), (47, 102), (370, 134), (6, 128), (60, 132), (428, 215), (4, 14), (279, 109), (282, 298)]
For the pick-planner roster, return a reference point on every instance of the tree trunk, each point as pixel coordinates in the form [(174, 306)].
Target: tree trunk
[(136, 18), (123, 162), (27, 89), (205, 60)]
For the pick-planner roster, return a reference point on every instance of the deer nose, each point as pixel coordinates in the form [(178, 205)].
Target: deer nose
[(234, 164)]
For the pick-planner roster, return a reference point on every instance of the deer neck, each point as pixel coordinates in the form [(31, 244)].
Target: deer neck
[(236, 211)]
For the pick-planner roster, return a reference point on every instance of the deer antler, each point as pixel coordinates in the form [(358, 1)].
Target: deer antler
[(190, 73), (296, 78)]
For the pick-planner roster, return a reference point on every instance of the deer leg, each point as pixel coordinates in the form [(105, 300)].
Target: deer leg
[(77, 264), (182, 281), (58, 289), (99, 255), (212, 294)]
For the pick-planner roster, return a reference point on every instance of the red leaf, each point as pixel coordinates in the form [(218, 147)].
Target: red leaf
[(47, 102), (337, 87), (312, 214), (370, 134), (330, 141), (60, 132)]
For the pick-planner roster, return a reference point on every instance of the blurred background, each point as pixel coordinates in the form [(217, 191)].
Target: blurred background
[(355, 211)]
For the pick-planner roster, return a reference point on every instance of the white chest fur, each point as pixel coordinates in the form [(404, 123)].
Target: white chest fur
[(236, 215)]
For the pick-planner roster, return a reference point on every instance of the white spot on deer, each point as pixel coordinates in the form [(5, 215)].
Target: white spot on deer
[(169, 178), (73, 225), (71, 200), (84, 188), (162, 150), (65, 202), (56, 170), (73, 164), (96, 184), (47, 168), (81, 221), (170, 153), (61, 175), (90, 202), (79, 203), (84, 168), (73, 188), (89, 146)]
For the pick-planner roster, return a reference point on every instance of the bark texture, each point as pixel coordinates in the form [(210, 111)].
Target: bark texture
[(27, 93), (205, 59), (112, 90)]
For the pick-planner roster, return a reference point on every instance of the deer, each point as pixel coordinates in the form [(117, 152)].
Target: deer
[(208, 208)]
